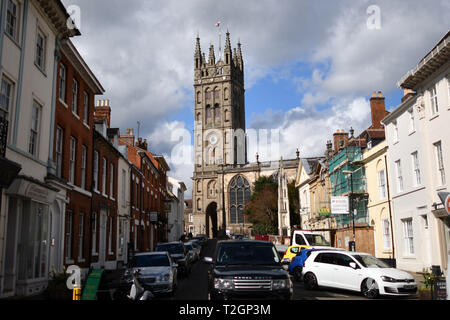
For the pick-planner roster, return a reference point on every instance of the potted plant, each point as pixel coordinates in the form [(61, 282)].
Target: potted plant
[(429, 280), (57, 286)]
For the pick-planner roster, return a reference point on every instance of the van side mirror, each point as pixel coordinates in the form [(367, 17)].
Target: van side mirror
[(353, 265)]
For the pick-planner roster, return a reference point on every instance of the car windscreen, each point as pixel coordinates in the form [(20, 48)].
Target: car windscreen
[(174, 248), (146, 261), (368, 261), (246, 254), (317, 240)]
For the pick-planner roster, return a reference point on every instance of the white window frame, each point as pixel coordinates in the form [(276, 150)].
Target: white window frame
[(68, 239), (110, 236), (417, 179), (399, 178), (85, 107), (440, 163), (412, 121), (396, 133), (94, 233), (408, 236), (33, 144), (40, 51), (81, 237), (111, 181), (75, 88), (15, 16), (59, 151), (72, 159), (95, 169), (62, 82), (104, 172), (434, 100), (6, 98), (382, 184), (124, 181), (83, 166), (387, 238)]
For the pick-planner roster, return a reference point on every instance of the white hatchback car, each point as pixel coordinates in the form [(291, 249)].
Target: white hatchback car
[(357, 272)]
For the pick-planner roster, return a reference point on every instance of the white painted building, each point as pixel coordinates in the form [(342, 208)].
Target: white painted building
[(175, 190), (31, 210), (418, 137), (123, 204)]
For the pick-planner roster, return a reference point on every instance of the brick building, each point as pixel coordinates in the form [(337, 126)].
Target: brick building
[(76, 87), (105, 190), (148, 192)]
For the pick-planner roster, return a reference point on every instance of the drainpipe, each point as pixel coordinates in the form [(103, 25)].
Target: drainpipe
[(390, 210)]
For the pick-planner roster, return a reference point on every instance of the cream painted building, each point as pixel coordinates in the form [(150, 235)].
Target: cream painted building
[(379, 204), (32, 212), (418, 136), (123, 204), (314, 187)]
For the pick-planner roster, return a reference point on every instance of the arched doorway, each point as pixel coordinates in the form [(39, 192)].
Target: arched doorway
[(211, 220)]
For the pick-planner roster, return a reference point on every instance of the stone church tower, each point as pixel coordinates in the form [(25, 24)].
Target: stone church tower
[(219, 128), (223, 178)]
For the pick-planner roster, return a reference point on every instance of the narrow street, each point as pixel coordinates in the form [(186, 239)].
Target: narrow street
[(195, 286)]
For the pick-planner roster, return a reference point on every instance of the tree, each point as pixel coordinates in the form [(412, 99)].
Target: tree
[(262, 209), (294, 205)]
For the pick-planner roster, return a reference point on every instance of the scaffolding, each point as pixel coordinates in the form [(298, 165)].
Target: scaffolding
[(348, 178)]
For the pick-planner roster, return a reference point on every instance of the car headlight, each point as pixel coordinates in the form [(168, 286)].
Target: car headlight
[(280, 284), (223, 284), (163, 278), (388, 279)]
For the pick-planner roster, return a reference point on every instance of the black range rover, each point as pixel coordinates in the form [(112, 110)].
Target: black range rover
[(247, 270)]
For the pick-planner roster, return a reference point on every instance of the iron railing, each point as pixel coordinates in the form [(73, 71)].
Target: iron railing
[(3, 136)]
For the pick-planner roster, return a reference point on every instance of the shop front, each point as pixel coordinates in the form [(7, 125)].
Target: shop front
[(28, 237)]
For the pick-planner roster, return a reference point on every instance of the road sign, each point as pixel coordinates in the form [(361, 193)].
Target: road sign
[(340, 205), (445, 198), (447, 204)]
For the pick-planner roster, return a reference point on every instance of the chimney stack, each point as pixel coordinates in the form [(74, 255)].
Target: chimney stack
[(378, 109), (340, 140), (128, 138), (103, 112)]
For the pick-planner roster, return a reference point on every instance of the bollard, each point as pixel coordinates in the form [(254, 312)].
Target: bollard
[(76, 293)]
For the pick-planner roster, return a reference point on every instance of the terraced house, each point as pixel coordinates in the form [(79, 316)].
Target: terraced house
[(31, 35)]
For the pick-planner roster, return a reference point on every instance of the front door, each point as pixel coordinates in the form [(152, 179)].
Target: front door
[(102, 244)]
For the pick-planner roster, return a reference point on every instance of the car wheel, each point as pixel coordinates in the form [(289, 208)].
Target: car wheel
[(298, 273), (310, 281), (370, 289)]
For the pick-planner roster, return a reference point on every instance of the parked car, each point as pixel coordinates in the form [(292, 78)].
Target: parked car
[(157, 272), (247, 270), (202, 238), (297, 262), (357, 272), (179, 253), (194, 250), (291, 252), (309, 239)]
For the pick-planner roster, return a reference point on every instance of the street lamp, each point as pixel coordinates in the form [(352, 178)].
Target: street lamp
[(351, 207)]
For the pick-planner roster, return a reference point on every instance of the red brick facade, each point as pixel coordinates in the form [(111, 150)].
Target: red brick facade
[(72, 154), (104, 208)]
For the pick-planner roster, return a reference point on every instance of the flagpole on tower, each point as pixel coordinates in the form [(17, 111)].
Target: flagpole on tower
[(220, 39)]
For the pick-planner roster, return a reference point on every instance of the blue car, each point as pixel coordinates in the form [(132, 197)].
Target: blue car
[(297, 263)]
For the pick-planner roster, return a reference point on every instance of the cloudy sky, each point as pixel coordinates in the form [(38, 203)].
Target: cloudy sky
[(310, 66)]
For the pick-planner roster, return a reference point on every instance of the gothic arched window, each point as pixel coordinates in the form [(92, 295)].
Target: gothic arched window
[(239, 197)]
